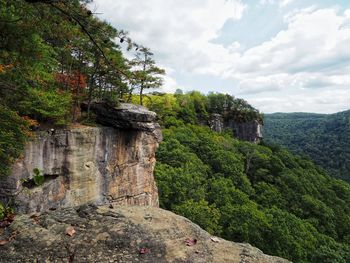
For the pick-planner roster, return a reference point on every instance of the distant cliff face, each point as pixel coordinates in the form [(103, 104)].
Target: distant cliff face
[(89, 164), (247, 131)]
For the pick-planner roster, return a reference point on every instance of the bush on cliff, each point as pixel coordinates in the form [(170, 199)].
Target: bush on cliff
[(13, 133)]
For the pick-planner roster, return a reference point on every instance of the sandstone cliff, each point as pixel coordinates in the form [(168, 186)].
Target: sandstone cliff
[(89, 164), (248, 131), (119, 234)]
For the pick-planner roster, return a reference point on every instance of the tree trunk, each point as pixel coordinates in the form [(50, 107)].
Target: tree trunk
[(141, 91)]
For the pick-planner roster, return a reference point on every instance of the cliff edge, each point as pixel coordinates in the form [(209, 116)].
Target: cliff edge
[(119, 234)]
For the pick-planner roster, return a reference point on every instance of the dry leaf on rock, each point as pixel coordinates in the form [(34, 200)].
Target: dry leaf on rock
[(191, 242), (144, 250), (3, 242), (70, 231)]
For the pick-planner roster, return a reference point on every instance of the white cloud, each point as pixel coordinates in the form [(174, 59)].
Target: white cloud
[(322, 102), (170, 85), (284, 3), (311, 54), (281, 3), (266, 2), (179, 32), (299, 69)]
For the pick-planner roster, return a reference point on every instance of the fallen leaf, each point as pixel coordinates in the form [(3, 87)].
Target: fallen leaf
[(7, 220), (3, 242), (13, 235), (191, 242), (70, 231), (35, 219), (215, 239), (144, 250)]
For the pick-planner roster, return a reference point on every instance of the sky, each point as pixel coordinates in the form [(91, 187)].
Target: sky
[(279, 55)]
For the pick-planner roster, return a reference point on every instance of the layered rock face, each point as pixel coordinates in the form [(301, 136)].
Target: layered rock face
[(89, 165), (216, 122), (119, 234), (247, 131)]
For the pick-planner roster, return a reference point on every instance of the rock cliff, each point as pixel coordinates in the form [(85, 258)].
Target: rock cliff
[(248, 131), (89, 164), (118, 234)]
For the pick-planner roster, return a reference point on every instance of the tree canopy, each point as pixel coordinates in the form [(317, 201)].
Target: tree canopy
[(323, 138)]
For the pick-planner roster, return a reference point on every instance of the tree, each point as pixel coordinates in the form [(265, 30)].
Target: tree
[(146, 75)]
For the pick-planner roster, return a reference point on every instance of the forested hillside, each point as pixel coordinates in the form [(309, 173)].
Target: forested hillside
[(323, 138), (261, 194)]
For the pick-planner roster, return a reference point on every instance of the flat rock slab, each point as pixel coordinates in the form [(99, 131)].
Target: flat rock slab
[(118, 234), (126, 116)]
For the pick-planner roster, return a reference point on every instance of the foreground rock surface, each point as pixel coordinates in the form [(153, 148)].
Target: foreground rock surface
[(84, 164), (119, 234)]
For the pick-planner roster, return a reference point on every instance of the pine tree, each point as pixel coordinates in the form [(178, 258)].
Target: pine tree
[(146, 74)]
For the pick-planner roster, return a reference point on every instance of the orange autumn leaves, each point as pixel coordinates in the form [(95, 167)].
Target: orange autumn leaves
[(4, 68), (74, 81)]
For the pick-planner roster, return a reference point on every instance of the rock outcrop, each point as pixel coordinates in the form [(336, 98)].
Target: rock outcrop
[(127, 117), (248, 131), (216, 122), (120, 234), (89, 164)]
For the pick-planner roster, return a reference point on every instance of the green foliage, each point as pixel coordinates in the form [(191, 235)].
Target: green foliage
[(13, 133), (279, 202), (56, 55), (5, 211), (195, 108), (202, 213), (147, 74), (38, 177), (323, 138), (2, 211), (47, 105), (232, 108)]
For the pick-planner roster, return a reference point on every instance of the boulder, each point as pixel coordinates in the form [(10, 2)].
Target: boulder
[(126, 116)]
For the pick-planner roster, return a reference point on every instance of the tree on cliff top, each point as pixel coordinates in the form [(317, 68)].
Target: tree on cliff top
[(146, 74)]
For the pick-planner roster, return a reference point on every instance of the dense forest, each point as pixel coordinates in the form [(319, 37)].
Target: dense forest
[(323, 138), (55, 55), (261, 194)]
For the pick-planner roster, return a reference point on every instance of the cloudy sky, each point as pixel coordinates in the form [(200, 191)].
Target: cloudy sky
[(280, 55)]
